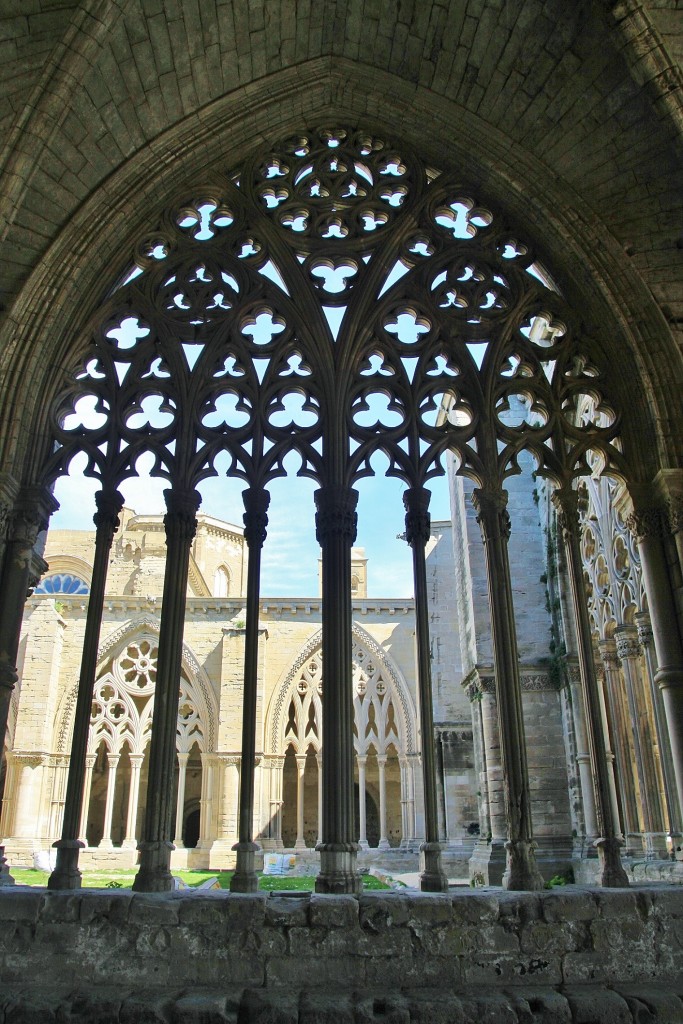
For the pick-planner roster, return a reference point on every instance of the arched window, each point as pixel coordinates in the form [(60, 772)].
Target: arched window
[(221, 582), (336, 297)]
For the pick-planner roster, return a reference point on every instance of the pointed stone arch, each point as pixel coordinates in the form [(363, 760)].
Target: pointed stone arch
[(144, 626), (363, 643)]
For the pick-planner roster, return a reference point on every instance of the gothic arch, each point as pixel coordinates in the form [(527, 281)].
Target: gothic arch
[(366, 646), (111, 648), (613, 294)]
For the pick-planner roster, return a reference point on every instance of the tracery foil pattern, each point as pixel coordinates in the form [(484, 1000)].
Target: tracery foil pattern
[(333, 297)]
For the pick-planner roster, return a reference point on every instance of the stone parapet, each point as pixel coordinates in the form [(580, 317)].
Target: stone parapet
[(417, 952)]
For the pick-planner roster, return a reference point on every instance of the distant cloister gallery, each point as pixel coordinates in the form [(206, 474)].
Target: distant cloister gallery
[(332, 303)]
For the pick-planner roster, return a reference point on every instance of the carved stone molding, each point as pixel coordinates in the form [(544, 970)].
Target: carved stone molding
[(644, 627), (256, 502), (675, 514), (538, 681)]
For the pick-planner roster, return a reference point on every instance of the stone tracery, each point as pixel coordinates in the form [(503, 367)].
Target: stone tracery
[(419, 319)]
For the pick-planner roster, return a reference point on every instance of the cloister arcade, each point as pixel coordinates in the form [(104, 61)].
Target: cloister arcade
[(337, 297)]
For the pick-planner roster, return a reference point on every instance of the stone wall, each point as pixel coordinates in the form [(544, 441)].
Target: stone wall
[(576, 956)]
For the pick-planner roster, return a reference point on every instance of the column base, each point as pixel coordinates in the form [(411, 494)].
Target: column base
[(5, 877), (656, 845), (521, 873), (383, 844), (66, 874), (155, 867), (105, 844), (362, 844), (432, 875), (300, 844), (338, 873), (129, 843), (611, 874), (245, 878)]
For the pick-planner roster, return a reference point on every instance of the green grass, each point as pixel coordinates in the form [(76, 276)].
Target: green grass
[(124, 880)]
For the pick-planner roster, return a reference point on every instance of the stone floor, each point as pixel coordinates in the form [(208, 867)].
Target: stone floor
[(570, 956)]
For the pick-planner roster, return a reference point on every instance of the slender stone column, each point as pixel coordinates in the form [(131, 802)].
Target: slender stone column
[(382, 767), (319, 761), (180, 801), (112, 764), (608, 843), (361, 761), (648, 527), (582, 755), (601, 674), (418, 531), (156, 846), (85, 806), (66, 874), (628, 650), (133, 798), (276, 801), (229, 798), (673, 812), (31, 515), (336, 532), (206, 802), (622, 754), (300, 843), (521, 871), (256, 501)]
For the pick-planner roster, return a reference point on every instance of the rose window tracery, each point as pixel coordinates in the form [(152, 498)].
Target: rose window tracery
[(123, 702)]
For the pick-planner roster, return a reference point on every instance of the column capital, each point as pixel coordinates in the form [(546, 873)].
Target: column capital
[(608, 653), (487, 684), (255, 518), (490, 504), (135, 760), (113, 760), (675, 513), (381, 760), (418, 520), (30, 516), (566, 502), (647, 522), (109, 504), (336, 512), (361, 760), (180, 519), (628, 645), (644, 627), (183, 757)]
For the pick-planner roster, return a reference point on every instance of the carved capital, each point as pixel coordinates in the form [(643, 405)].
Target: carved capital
[(472, 691), (675, 513), (180, 520), (644, 627), (627, 642), (487, 684), (256, 502), (418, 520), (647, 522), (336, 513), (492, 514), (537, 681), (608, 653), (566, 502), (106, 518)]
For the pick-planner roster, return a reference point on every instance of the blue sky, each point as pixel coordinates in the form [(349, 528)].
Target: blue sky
[(290, 554)]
